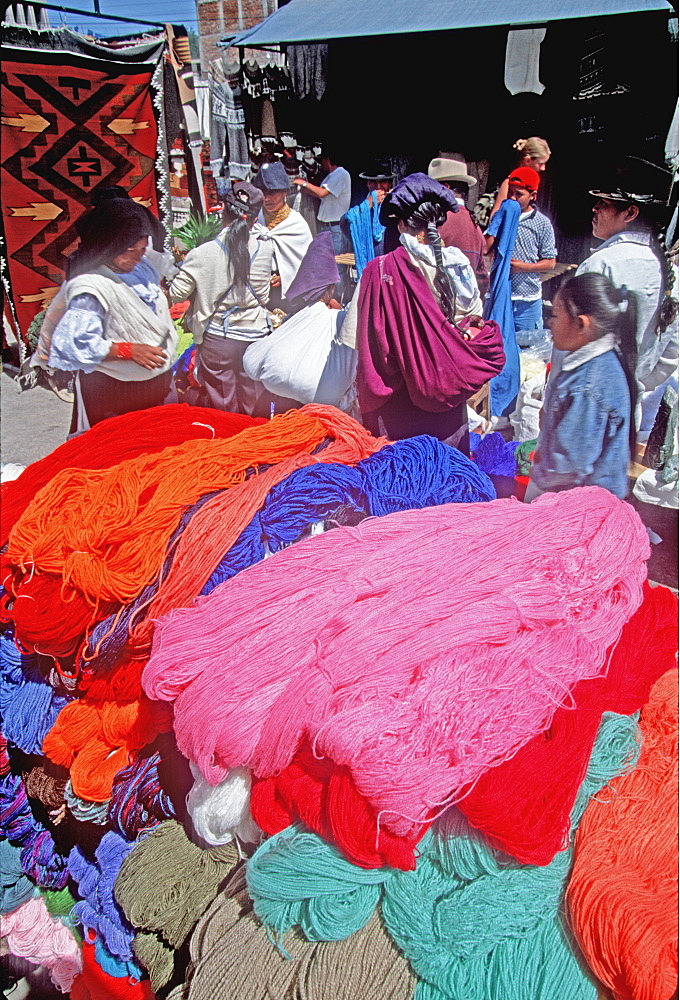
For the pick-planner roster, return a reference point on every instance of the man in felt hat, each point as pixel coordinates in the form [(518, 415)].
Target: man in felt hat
[(629, 215), (379, 178), (460, 229), (283, 232), (534, 251), (361, 224)]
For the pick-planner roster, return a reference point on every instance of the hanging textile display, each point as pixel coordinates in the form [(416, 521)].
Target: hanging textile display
[(76, 115), (179, 57)]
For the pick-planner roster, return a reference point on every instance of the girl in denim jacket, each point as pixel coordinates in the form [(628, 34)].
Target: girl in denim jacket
[(587, 427)]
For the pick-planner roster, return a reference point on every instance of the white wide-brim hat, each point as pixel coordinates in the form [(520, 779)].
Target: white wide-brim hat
[(442, 169)]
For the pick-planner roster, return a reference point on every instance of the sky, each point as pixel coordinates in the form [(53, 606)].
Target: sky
[(162, 11)]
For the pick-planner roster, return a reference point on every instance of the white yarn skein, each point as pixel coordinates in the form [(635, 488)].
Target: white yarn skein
[(221, 812)]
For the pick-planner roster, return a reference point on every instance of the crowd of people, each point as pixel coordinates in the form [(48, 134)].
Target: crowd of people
[(405, 337)]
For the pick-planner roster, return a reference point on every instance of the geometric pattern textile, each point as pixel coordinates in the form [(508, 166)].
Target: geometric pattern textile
[(76, 115)]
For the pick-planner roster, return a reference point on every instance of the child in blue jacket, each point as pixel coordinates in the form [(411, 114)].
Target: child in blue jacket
[(587, 427)]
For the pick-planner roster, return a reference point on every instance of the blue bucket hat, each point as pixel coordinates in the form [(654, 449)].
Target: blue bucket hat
[(272, 177)]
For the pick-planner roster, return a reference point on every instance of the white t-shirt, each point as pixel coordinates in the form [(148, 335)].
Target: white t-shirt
[(335, 204)]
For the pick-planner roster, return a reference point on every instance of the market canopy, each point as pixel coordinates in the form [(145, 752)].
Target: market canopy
[(311, 21)]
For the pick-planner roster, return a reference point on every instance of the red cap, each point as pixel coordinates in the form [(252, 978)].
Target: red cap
[(526, 177)]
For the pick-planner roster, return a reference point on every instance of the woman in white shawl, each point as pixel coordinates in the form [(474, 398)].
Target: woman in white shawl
[(283, 232)]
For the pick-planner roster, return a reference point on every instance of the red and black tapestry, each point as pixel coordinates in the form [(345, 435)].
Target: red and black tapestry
[(76, 115)]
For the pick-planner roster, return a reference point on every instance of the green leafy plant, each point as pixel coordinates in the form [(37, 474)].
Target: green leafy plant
[(198, 229)]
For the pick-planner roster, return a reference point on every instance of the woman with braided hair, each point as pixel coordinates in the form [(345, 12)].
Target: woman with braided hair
[(415, 320), (627, 215), (227, 282)]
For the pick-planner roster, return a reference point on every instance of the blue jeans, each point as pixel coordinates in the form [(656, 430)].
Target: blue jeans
[(339, 242), (528, 315)]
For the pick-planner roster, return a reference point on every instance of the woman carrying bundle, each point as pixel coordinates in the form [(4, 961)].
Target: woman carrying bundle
[(227, 281), (303, 361), (587, 426), (116, 331), (416, 321)]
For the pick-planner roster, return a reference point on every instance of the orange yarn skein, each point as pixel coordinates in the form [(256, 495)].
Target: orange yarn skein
[(105, 531), (96, 736), (217, 525), (622, 898)]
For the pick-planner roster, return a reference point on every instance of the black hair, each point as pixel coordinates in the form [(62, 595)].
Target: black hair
[(429, 215), (236, 242), (613, 310), (114, 225)]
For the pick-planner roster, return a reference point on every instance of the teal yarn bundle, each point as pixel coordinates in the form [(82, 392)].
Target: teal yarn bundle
[(297, 879), (475, 924)]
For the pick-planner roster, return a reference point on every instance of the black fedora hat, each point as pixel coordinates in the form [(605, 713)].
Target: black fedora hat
[(638, 181), (377, 170)]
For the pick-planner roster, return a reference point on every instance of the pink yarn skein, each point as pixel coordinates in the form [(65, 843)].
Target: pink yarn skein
[(418, 649), (43, 940)]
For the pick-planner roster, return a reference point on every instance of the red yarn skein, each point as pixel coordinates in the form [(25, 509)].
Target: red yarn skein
[(323, 796), (112, 441), (523, 805)]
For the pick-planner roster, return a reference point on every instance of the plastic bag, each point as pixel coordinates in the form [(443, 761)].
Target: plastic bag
[(525, 416), (303, 359)]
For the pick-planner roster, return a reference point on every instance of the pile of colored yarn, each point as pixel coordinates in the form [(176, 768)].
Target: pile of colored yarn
[(357, 769), (381, 662), (129, 522)]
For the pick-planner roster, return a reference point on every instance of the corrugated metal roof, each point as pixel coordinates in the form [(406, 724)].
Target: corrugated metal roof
[(319, 20)]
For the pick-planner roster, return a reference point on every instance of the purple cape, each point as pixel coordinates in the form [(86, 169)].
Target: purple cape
[(405, 341)]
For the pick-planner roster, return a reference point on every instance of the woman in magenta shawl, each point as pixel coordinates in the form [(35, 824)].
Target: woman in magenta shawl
[(416, 321)]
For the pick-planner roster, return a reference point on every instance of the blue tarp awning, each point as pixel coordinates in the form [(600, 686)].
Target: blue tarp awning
[(315, 21)]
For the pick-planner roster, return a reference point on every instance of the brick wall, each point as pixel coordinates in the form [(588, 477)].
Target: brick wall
[(216, 18)]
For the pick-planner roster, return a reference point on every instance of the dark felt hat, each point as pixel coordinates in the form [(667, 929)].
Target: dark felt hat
[(272, 177), (244, 200), (411, 192), (318, 270), (636, 180), (377, 170)]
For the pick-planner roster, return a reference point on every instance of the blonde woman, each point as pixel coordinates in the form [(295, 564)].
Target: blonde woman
[(533, 152)]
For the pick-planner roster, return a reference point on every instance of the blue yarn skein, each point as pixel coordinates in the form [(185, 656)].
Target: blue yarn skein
[(421, 472), (296, 878), (113, 966), (40, 860), (15, 886), (413, 473), (138, 801), (494, 454), (84, 811), (28, 704), (98, 909), (475, 923)]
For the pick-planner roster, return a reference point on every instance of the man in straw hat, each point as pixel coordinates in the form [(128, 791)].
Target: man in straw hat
[(460, 229)]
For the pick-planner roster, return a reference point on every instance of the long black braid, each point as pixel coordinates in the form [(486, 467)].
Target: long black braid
[(647, 223), (428, 216), (236, 242), (669, 304)]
